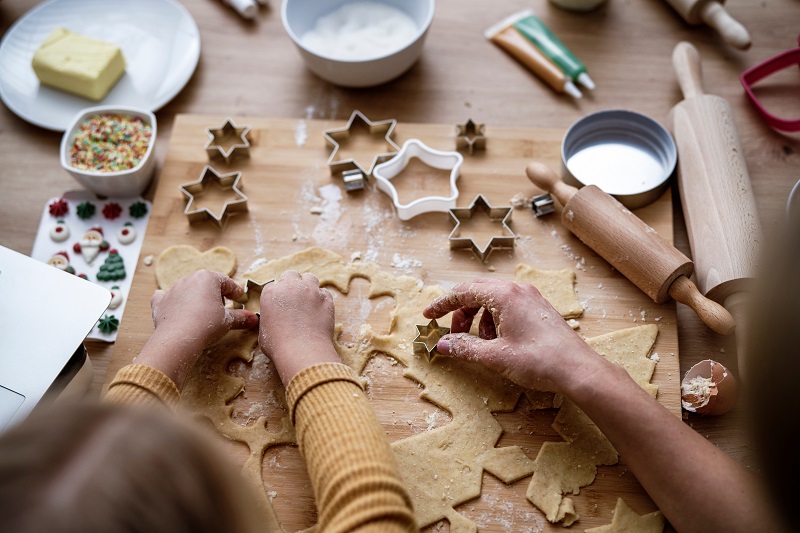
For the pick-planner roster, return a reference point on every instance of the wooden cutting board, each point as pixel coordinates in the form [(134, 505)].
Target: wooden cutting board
[(294, 204)]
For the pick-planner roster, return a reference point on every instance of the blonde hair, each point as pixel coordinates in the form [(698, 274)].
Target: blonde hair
[(104, 468)]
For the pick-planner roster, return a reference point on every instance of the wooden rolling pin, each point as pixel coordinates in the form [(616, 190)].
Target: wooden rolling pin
[(712, 12), (630, 245), (716, 195)]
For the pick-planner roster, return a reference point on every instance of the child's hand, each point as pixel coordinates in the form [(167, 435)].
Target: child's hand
[(190, 317), (520, 335), (296, 324)]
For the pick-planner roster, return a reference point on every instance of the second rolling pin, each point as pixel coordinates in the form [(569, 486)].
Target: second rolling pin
[(631, 246)]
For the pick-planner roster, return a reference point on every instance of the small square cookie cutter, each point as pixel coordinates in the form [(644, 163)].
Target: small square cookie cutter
[(211, 177), (336, 135), (427, 338), (470, 136), (216, 140), (414, 148), (542, 205), (501, 215)]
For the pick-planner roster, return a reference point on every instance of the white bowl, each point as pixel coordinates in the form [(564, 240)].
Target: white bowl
[(131, 182), (299, 16)]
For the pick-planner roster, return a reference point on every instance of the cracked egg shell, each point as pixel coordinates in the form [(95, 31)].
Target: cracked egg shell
[(720, 396)]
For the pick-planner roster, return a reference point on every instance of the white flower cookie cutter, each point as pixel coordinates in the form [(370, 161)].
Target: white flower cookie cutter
[(414, 148)]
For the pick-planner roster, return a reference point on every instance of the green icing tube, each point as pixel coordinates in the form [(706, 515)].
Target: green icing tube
[(533, 29)]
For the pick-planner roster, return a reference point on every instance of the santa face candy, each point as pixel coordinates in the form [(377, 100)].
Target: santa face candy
[(77, 64)]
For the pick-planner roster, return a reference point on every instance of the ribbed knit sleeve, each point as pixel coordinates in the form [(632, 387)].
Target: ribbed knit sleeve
[(142, 385), (352, 468)]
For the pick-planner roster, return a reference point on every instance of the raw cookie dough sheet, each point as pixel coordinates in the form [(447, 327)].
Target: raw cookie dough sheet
[(294, 204)]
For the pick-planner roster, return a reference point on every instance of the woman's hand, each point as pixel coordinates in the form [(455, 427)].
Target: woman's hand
[(297, 322), (190, 317), (520, 335)]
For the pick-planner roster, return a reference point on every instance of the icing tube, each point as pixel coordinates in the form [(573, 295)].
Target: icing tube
[(509, 39), (531, 26)]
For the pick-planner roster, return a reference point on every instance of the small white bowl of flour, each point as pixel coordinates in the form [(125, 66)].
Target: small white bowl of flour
[(358, 43)]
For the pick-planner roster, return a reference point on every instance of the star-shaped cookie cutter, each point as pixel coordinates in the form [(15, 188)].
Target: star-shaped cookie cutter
[(427, 337), (240, 148), (501, 215), (412, 148), (224, 181), (334, 136), (470, 136), (252, 288)]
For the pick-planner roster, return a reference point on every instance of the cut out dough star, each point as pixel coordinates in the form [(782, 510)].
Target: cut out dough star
[(626, 519)]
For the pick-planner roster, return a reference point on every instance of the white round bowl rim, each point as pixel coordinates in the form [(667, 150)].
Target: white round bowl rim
[(83, 114), (417, 36)]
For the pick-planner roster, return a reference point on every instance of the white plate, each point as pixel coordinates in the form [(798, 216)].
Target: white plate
[(159, 39)]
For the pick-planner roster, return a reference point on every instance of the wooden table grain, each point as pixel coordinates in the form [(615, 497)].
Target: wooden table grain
[(252, 69)]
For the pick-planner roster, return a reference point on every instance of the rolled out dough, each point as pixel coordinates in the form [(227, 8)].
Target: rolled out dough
[(443, 467)]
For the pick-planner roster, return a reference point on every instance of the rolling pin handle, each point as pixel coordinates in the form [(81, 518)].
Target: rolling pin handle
[(738, 305), (686, 60), (710, 312), (734, 33), (543, 177)]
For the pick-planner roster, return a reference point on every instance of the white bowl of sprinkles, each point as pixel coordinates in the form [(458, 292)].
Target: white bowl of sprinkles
[(109, 149)]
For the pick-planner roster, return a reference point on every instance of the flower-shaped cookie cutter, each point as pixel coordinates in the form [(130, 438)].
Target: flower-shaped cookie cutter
[(219, 147), (336, 135), (470, 136), (427, 338), (501, 215), (414, 148), (211, 178)]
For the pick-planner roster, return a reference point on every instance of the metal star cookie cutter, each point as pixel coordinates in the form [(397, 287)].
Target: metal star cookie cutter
[(217, 136), (427, 338), (414, 148), (496, 214), (252, 288), (470, 136), (211, 177), (334, 136)]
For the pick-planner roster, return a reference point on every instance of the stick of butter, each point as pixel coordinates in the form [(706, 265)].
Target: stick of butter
[(77, 64)]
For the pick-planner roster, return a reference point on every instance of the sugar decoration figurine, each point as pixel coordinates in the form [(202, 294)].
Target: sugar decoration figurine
[(85, 210), (91, 244), (58, 208), (60, 231), (116, 297), (113, 269), (126, 234), (60, 260)]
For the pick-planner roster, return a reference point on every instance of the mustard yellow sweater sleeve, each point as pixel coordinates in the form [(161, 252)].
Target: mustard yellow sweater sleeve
[(353, 473), (142, 385)]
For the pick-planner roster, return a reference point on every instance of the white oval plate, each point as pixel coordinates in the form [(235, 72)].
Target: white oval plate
[(159, 39)]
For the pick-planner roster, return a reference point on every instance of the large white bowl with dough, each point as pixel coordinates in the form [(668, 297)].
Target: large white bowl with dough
[(300, 16)]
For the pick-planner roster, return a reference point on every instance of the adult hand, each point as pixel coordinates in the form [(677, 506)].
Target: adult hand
[(190, 317), (297, 321), (520, 335)]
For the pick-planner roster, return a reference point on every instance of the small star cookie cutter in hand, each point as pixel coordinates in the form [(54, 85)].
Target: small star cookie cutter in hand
[(336, 135), (211, 178), (501, 215), (470, 136), (219, 147), (414, 148), (427, 338), (252, 288)]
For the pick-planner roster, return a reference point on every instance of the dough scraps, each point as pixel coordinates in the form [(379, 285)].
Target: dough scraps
[(627, 521), (181, 260), (557, 287), (443, 467)]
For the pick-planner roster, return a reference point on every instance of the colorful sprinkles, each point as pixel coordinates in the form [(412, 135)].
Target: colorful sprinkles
[(110, 143)]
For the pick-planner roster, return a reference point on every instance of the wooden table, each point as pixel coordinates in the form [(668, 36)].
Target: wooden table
[(253, 69)]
